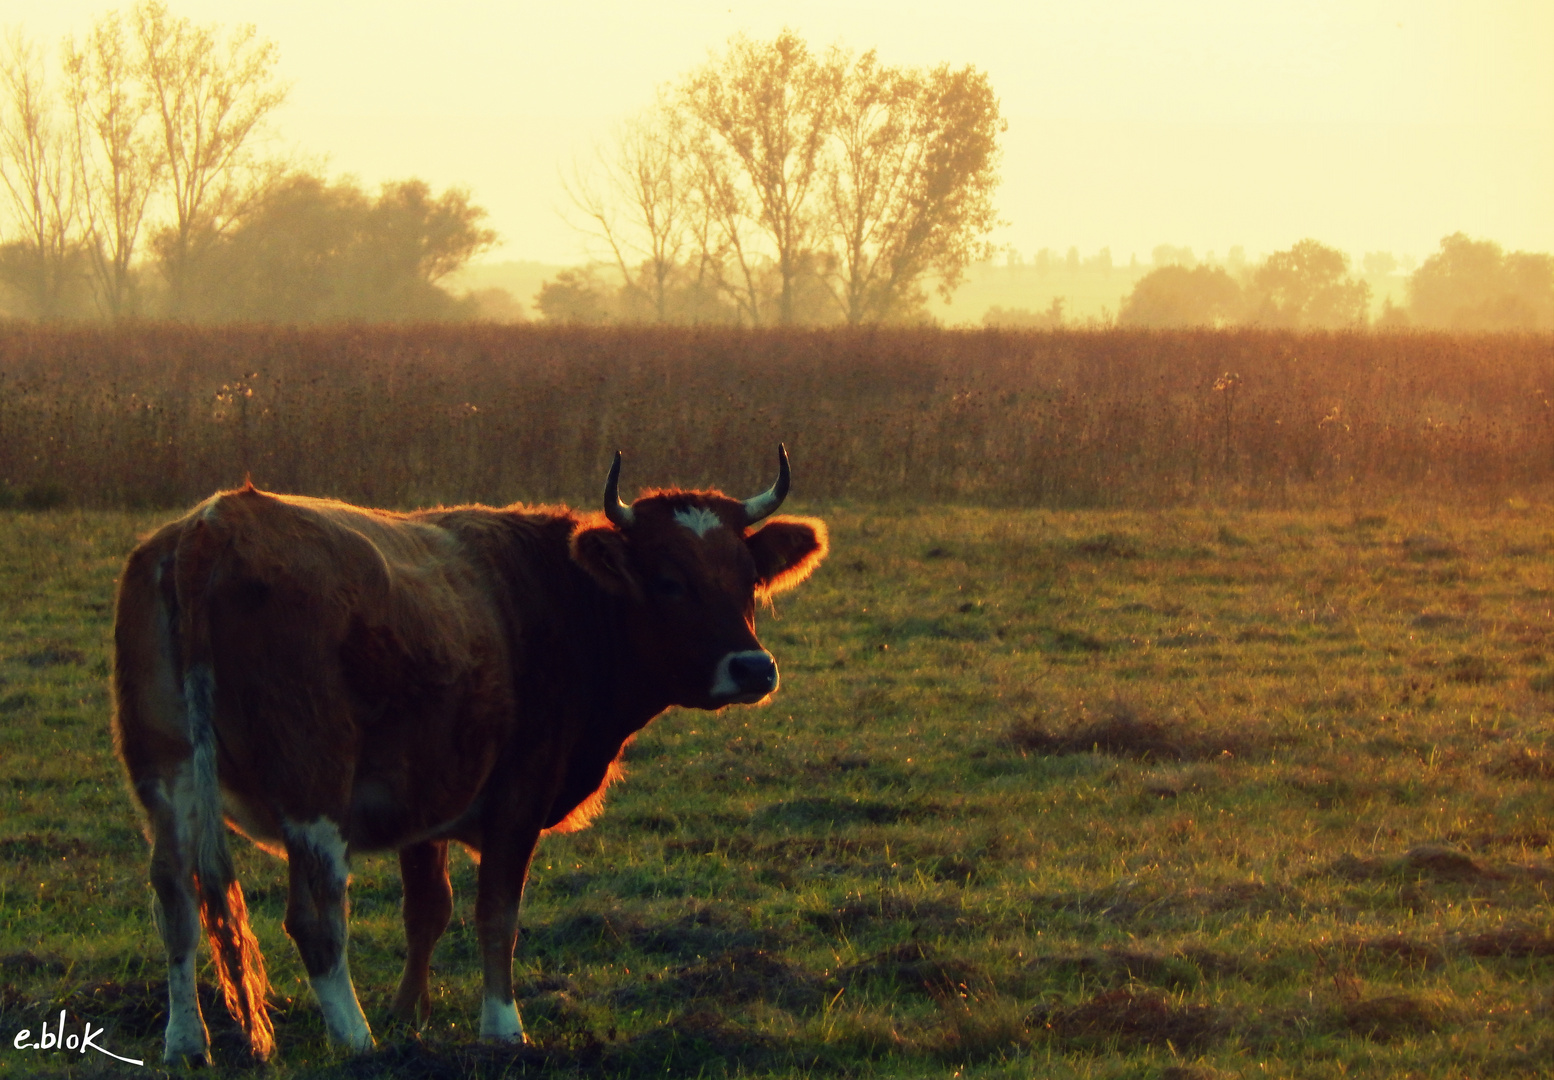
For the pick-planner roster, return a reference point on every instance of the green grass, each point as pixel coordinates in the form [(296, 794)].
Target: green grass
[(1077, 794)]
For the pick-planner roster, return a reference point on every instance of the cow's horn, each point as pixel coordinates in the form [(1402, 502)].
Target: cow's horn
[(618, 512), (769, 500)]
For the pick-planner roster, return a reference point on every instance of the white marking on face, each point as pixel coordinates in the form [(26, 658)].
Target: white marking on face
[(698, 519), (499, 1021), (725, 688), (342, 1012)]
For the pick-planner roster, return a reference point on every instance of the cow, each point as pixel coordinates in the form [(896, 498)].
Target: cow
[(328, 679)]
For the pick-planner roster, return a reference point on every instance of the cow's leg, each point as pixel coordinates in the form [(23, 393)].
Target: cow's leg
[(316, 921), (428, 905), (503, 868), (177, 919)]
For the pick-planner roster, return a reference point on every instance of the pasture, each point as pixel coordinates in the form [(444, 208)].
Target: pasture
[(1192, 793)]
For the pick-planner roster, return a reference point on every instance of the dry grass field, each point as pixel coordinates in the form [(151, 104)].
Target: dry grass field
[(1211, 776), (162, 415)]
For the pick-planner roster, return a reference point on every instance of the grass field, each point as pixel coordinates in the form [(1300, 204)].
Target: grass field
[(1184, 794)]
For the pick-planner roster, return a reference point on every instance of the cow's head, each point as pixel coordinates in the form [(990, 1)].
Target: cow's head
[(691, 566)]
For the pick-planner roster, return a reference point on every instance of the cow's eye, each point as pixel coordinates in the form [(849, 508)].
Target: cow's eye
[(669, 588)]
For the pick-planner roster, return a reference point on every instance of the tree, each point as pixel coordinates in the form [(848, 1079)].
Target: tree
[(764, 113), (641, 205), (1174, 295), (1169, 255), (317, 252), (1379, 263), (1474, 285), (1308, 286), (213, 100), (576, 297), (909, 184), (800, 187), (424, 238), (44, 190), (116, 155)]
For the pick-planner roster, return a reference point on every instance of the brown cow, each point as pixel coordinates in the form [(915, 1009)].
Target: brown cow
[(331, 679)]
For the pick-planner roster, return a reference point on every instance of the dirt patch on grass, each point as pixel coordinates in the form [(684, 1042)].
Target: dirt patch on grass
[(1126, 731), (1391, 1016), (42, 847), (1108, 546), (1524, 763), (1473, 670), (919, 969), (1512, 943), (1180, 970), (1395, 950), (808, 813), (28, 962), (53, 656), (1432, 861), (701, 930), (1247, 896), (1129, 1017), (1447, 864), (697, 1043), (929, 917), (733, 978)]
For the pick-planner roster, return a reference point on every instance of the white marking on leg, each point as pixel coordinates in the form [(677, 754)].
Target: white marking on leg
[(336, 995), (181, 798), (698, 519), (342, 1012), (499, 1021), (324, 839), (186, 1034)]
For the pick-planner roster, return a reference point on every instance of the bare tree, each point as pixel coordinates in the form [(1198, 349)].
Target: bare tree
[(728, 249), (765, 111), (639, 204), (117, 154), (44, 190), (213, 99), (909, 187)]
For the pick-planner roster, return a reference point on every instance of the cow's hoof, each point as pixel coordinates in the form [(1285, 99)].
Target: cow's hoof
[(187, 1059), (499, 1023)]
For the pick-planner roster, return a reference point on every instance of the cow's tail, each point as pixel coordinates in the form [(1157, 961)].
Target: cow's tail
[(239, 964)]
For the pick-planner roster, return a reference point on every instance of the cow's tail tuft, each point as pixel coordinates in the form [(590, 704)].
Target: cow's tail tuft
[(239, 964)]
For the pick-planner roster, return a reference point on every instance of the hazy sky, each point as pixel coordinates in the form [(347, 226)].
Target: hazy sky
[(1367, 124)]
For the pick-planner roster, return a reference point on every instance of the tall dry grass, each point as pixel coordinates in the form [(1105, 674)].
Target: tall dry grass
[(164, 414)]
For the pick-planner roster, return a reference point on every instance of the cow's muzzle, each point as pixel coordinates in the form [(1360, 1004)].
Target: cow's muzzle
[(744, 677)]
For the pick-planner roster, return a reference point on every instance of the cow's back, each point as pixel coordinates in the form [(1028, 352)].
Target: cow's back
[(359, 663)]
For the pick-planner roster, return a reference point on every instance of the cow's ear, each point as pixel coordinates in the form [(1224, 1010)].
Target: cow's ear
[(601, 551), (787, 550)]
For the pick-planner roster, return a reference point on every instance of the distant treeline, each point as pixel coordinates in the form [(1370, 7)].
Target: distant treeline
[(139, 182), (164, 414), (1467, 285)]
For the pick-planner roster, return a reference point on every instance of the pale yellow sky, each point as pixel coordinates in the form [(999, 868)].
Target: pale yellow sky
[(1367, 124)]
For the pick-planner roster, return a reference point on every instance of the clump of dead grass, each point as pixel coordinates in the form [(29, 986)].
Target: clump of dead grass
[(1524, 763), (733, 978), (1125, 730), (919, 969), (1128, 1016)]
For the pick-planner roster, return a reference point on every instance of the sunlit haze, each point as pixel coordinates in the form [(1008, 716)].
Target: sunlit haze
[(1368, 124)]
